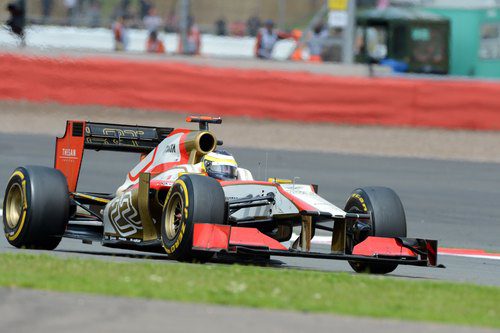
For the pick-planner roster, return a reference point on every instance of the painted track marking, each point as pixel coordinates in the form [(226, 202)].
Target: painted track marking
[(480, 254), (467, 253)]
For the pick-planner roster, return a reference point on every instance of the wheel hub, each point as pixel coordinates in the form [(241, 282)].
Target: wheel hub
[(173, 220), (14, 205)]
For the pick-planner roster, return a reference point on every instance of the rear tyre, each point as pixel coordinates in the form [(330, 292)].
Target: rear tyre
[(388, 220), (36, 208), (191, 199)]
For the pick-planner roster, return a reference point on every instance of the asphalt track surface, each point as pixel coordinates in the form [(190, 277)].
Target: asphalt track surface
[(86, 313), (453, 202)]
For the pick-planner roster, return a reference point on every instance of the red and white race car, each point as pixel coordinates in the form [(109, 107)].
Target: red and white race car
[(190, 199)]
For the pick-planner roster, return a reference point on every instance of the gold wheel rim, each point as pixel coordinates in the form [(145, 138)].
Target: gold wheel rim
[(14, 205), (173, 219)]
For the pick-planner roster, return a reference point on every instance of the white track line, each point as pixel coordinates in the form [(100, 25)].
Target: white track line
[(1, 212), (477, 256)]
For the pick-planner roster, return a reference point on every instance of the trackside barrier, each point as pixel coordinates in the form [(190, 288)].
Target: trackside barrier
[(292, 96)]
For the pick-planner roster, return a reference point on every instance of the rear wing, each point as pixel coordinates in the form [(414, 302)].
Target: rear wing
[(126, 138), (81, 135)]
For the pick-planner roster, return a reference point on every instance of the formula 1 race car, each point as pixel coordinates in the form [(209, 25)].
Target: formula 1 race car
[(188, 197)]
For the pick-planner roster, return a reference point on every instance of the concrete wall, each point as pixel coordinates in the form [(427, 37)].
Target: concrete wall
[(291, 96)]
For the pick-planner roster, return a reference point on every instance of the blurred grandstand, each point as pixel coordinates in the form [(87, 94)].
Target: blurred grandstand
[(288, 14), (460, 37)]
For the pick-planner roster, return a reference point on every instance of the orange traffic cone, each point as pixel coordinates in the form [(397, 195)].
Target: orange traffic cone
[(297, 54), (315, 58)]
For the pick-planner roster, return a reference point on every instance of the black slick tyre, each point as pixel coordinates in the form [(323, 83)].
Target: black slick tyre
[(388, 220), (36, 208), (191, 199)]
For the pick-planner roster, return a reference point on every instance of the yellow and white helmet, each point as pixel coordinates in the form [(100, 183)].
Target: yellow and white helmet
[(220, 164)]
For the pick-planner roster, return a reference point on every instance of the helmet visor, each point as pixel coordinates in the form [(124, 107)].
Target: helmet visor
[(222, 171)]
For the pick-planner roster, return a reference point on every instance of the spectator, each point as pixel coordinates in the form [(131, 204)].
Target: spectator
[(193, 43), (122, 9), (17, 20), (316, 41), (332, 49), (70, 6), (267, 38), (152, 22), (383, 4), (154, 44), (237, 28), (220, 27), (145, 6), (253, 25), (81, 6), (125, 6), (120, 32), (94, 14), (171, 23), (46, 10)]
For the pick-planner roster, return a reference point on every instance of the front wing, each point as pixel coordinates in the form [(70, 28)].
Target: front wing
[(250, 241)]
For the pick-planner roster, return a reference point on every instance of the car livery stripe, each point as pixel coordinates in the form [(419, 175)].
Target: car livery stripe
[(135, 177), (164, 166)]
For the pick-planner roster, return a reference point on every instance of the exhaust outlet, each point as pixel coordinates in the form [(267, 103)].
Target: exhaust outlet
[(199, 143)]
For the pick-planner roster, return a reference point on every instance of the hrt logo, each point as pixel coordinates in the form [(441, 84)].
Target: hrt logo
[(67, 152)]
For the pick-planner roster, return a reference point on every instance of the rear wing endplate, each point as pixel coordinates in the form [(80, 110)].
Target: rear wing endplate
[(81, 135)]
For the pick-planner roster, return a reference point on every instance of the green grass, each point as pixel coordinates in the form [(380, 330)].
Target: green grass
[(310, 291)]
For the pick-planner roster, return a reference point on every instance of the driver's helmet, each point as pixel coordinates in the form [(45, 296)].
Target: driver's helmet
[(220, 164)]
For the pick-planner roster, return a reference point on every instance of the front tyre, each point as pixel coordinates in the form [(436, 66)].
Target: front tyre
[(191, 199), (36, 208), (388, 220)]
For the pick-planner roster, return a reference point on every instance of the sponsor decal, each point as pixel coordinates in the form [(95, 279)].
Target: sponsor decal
[(114, 136), (361, 201), (178, 241), (123, 215), (121, 133), (170, 148), (134, 240), (68, 153)]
